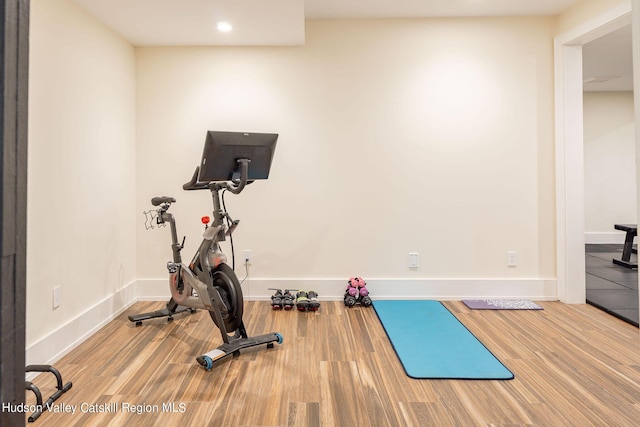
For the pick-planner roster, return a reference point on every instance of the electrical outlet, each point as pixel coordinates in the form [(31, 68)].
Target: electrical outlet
[(248, 255), (56, 297), (414, 260), (512, 258)]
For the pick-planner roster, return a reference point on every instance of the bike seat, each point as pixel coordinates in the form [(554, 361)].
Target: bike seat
[(157, 201)]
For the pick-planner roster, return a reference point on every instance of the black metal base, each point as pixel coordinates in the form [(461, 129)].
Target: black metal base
[(40, 406), (631, 231), (624, 263), (233, 347), (171, 309)]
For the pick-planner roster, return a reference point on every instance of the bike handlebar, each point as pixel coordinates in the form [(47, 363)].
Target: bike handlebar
[(194, 184), (242, 182), (235, 186)]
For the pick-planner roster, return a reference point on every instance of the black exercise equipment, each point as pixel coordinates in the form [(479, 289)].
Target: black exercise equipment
[(230, 161), (40, 406), (631, 231)]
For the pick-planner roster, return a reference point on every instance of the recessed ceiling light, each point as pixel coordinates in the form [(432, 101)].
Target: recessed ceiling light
[(225, 27)]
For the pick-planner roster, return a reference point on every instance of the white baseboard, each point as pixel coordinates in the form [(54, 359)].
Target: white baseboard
[(601, 238), (58, 343), (153, 289), (333, 289)]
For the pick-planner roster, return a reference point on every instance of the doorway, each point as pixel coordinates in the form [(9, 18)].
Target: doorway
[(610, 174), (570, 196)]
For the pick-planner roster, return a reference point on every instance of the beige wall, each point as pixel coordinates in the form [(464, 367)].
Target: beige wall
[(80, 225), (609, 158), (396, 136)]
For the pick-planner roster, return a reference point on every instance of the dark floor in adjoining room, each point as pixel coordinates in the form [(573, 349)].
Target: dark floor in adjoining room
[(610, 287)]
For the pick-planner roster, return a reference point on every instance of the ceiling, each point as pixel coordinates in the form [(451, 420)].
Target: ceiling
[(278, 22), (432, 8), (607, 63), (281, 23)]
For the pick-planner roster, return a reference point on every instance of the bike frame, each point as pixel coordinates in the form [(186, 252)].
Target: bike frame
[(200, 284), (198, 274)]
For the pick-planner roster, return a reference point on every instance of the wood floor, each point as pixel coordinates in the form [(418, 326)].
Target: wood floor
[(574, 366)]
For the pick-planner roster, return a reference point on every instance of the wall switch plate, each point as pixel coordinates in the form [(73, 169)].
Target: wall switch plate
[(414, 260), (56, 297), (512, 258)]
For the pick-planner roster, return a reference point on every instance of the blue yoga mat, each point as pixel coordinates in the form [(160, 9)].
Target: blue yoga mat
[(431, 343)]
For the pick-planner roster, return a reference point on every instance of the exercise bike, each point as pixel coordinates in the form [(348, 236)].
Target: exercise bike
[(208, 282)]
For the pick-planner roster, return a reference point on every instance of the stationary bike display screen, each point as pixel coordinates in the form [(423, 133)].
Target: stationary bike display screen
[(223, 149)]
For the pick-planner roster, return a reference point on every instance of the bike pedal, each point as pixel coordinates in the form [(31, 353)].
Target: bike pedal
[(172, 267)]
